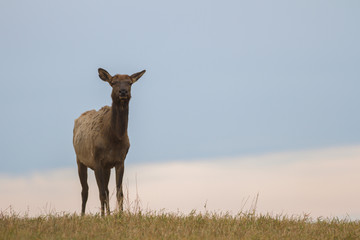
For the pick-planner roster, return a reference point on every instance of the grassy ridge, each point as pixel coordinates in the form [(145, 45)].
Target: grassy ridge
[(174, 226)]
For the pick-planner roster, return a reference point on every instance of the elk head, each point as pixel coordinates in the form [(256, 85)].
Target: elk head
[(121, 85)]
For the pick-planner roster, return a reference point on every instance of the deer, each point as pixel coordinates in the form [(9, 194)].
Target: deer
[(101, 140)]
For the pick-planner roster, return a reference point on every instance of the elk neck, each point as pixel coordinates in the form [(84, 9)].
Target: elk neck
[(119, 119)]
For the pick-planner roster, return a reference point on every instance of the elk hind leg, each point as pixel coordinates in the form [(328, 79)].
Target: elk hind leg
[(82, 170)]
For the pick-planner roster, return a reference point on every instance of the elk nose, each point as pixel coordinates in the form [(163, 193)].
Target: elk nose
[(123, 92)]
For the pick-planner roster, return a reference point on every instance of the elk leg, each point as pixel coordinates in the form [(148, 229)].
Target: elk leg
[(106, 180), (82, 170), (119, 191), (100, 179)]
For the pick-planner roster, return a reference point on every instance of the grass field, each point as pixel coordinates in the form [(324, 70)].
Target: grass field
[(152, 225)]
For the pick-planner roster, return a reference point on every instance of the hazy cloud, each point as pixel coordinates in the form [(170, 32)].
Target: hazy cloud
[(321, 182)]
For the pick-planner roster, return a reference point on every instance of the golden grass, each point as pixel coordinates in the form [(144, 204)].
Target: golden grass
[(136, 223), (152, 225)]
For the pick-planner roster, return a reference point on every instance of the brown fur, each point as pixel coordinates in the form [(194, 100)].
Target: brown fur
[(101, 141)]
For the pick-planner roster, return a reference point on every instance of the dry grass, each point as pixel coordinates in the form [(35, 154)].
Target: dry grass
[(152, 225), (135, 223)]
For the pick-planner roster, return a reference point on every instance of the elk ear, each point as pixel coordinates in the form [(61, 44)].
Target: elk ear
[(104, 75), (136, 76)]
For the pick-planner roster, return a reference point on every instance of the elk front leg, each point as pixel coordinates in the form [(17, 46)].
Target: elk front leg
[(106, 181), (119, 168), (100, 179)]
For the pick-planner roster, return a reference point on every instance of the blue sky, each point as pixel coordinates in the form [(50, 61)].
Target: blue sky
[(224, 78)]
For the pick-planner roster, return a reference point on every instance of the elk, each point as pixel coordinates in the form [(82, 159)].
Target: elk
[(101, 140)]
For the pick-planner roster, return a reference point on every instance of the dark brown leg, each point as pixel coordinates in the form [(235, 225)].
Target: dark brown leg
[(82, 170), (106, 180), (100, 179), (119, 168)]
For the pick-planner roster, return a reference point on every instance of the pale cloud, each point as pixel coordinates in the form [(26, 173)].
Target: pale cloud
[(321, 182)]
